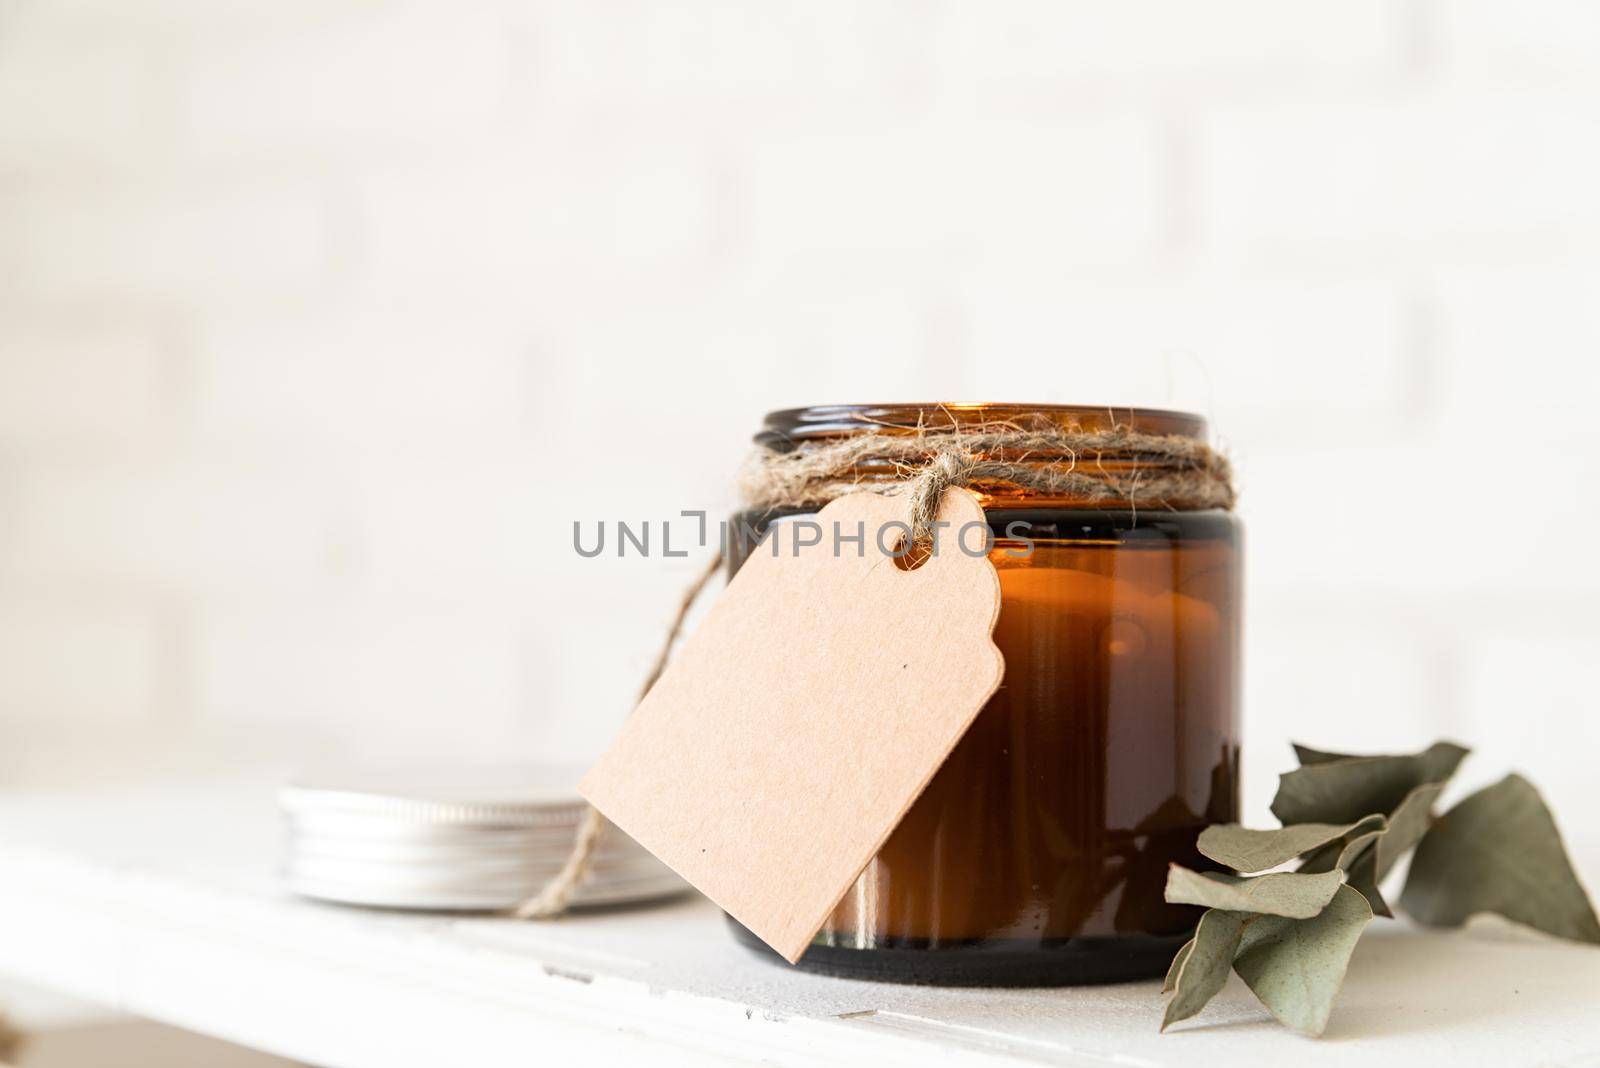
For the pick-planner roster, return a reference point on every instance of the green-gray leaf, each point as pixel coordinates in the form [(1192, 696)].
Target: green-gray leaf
[(1343, 791), (1356, 855), (1344, 852), (1246, 850), (1440, 759), (1333, 788), (1307, 755), (1361, 874), (1297, 966), (1280, 894), (1499, 851), (1198, 974), (1177, 965), (1407, 826)]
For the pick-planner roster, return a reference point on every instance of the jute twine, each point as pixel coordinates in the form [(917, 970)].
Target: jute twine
[(557, 894), (1095, 467)]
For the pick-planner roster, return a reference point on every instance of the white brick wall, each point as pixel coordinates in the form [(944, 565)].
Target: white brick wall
[(321, 323), (364, 80), (82, 660), (73, 99), (1036, 44), (152, 240), (1373, 176), (71, 381), (969, 191)]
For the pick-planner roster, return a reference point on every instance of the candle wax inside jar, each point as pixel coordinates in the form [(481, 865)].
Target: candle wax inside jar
[(1108, 747)]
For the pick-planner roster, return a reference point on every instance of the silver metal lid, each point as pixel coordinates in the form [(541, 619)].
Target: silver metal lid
[(535, 796), (467, 838)]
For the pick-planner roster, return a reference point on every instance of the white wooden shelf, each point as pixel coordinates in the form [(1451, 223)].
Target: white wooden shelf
[(164, 903)]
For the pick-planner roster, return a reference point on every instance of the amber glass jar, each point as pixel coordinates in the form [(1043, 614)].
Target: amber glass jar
[(1038, 853)]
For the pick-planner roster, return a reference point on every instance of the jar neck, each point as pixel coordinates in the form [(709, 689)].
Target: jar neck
[(1041, 455), (784, 428)]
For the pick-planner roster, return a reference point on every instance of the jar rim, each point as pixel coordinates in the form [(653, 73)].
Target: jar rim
[(784, 426)]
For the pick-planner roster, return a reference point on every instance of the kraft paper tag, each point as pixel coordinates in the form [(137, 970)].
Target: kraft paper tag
[(794, 728)]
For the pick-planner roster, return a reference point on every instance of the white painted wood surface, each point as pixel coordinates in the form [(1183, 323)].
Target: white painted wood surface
[(164, 903)]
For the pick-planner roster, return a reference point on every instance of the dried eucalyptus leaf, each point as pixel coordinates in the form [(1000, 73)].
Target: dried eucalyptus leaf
[(1407, 825), (1324, 859), (1307, 755), (1358, 847), (1361, 873), (1356, 856), (1297, 966), (1343, 854), (1177, 965), (1280, 894), (1343, 791), (1499, 851), (1442, 758), (1200, 973), (1246, 850), (1343, 851), (1439, 760)]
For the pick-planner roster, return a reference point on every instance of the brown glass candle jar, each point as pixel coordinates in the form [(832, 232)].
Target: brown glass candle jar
[(1038, 853)]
